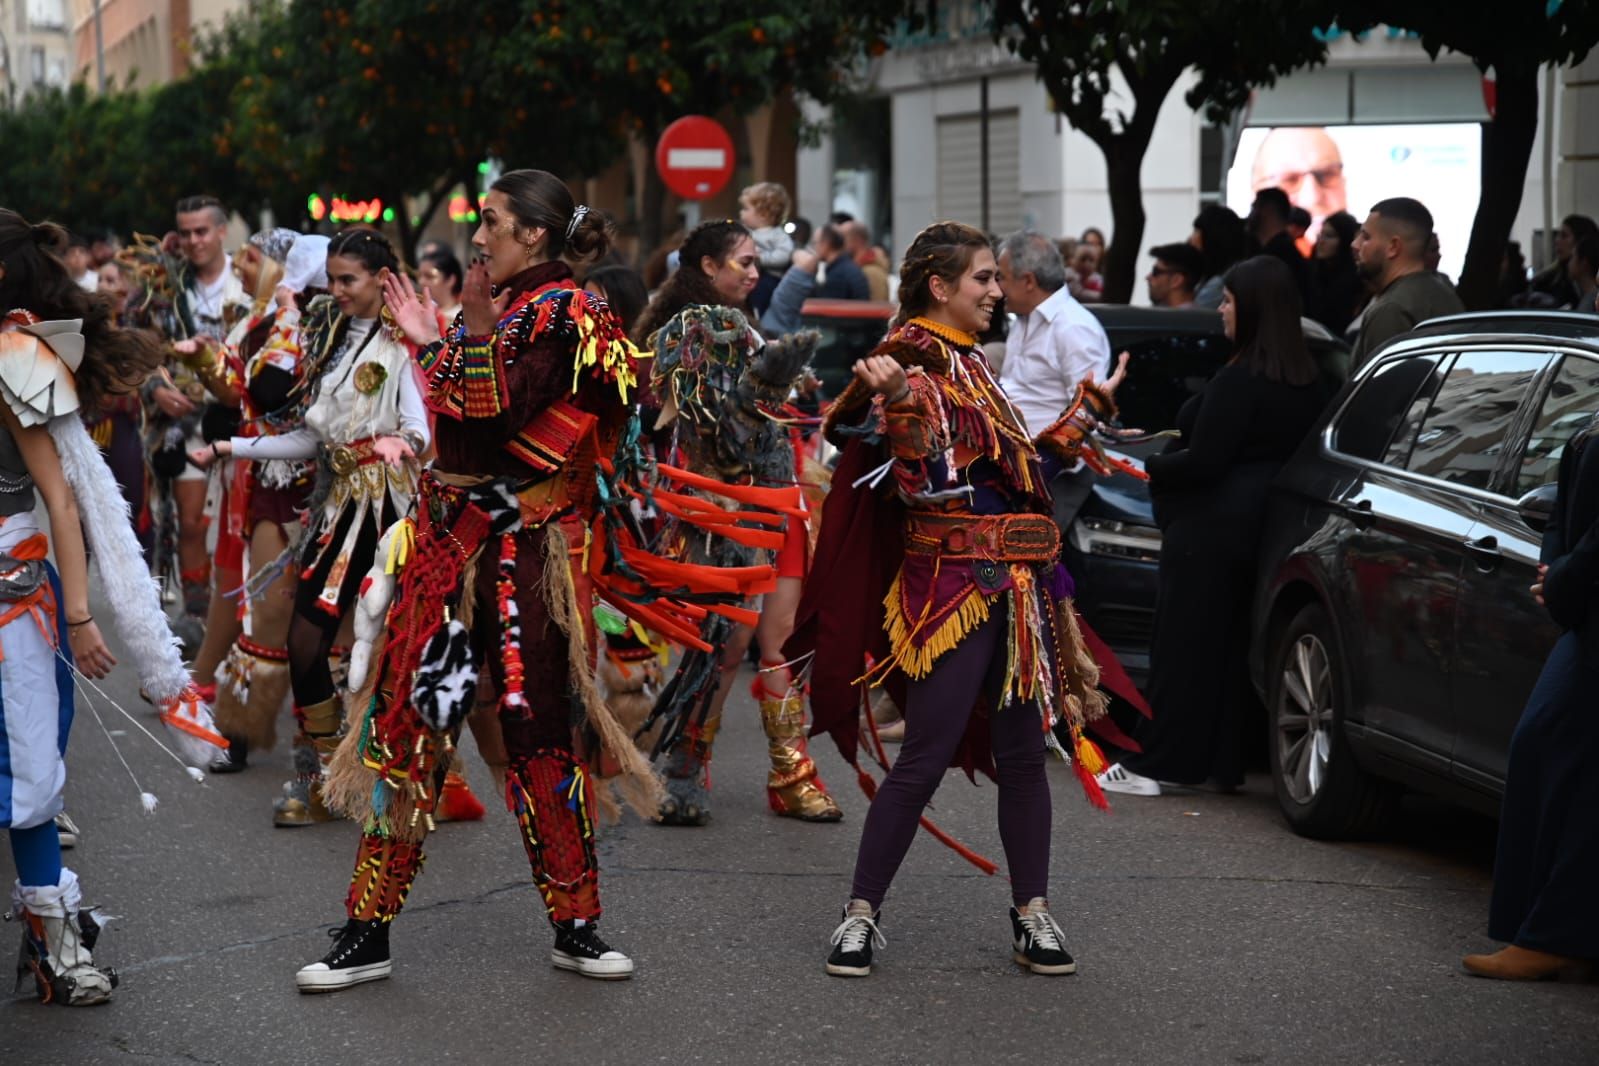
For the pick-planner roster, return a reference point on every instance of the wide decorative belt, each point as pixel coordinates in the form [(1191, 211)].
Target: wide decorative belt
[(1010, 538), (345, 459)]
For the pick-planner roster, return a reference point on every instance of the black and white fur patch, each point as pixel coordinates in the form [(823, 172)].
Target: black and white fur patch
[(446, 682)]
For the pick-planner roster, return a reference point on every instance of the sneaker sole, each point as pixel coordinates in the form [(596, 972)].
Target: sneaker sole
[(1038, 967), (313, 981), (848, 971), (600, 971), (1129, 790)]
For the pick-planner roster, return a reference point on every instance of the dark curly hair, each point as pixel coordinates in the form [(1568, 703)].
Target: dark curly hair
[(689, 284), (944, 250), (114, 359)]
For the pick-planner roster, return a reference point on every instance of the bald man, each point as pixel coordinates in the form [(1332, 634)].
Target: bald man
[(1304, 162)]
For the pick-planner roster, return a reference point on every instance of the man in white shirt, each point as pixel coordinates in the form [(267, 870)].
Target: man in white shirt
[(1054, 343)]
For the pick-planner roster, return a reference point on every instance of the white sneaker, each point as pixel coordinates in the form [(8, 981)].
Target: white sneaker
[(1117, 778)]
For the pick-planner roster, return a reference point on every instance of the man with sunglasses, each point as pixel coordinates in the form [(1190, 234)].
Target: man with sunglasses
[(1175, 275)]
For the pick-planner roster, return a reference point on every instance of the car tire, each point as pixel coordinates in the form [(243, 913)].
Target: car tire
[(1322, 790)]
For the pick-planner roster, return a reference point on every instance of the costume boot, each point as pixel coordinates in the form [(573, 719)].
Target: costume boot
[(313, 750), (457, 803), (688, 777), (253, 687), (57, 938), (793, 788), (190, 625)]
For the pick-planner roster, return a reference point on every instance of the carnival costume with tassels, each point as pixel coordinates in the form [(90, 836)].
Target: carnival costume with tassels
[(37, 364), (163, 299), (938, 522), (490, 572), (722, 390)]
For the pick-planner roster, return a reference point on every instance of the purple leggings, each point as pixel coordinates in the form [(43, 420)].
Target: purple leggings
[(936, 715)]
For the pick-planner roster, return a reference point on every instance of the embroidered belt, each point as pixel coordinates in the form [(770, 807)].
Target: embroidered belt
[(345, 459), (1010, 538)]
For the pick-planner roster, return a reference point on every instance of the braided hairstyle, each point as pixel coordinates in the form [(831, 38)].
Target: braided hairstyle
[(114, 359), (944, 250), (715, 239), (367, 246)]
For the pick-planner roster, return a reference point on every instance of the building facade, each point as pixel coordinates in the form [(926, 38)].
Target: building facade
[(35, 47), (953, 126), (139, 42)]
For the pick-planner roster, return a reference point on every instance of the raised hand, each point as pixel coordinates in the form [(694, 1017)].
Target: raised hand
[(480, 308), (882, 374), (417, 316)]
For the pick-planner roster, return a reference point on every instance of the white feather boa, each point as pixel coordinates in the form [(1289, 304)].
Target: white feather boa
[(133, 595)]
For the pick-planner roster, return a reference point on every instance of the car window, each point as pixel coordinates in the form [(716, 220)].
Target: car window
[(1369, 421), (1570, 404), (1465, 430), (1164, 372)]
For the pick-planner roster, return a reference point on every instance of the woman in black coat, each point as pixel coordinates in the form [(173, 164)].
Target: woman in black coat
[(1546, 872), (1209, 491)]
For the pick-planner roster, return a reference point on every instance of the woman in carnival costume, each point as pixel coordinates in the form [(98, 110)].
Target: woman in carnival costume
[(530, 393), (269, 496), (723, 389), (60, 349), (976, 633), (368, 421)]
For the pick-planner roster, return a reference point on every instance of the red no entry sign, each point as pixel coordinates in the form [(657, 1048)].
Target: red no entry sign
[(695, 157)]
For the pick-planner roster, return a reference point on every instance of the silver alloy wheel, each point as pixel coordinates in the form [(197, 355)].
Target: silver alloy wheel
[(1305, 718)]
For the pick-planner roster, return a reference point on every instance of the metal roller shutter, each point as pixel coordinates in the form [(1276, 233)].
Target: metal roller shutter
[(960, 181)]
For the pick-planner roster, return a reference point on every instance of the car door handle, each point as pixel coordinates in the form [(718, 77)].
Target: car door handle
[(1485, 550), (1357, 511)]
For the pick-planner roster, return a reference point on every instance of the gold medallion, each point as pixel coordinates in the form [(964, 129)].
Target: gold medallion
[(343, 460), (369, 377)]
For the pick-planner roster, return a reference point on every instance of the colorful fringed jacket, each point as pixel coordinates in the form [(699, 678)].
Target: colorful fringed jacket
[(969, 489)]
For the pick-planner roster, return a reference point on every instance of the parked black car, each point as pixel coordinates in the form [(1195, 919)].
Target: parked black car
[(1113, 547), (1395, 636)]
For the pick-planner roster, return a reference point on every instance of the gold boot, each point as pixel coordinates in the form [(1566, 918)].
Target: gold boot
[(302, 800), (793, 788)]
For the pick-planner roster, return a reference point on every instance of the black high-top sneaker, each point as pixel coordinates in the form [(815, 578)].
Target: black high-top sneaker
[(1039, 943), (579, 948), (360, 953), (231, 759), (854, 939)]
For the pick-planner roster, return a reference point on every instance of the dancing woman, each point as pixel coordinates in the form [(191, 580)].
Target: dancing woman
[(977, 620), (59, 350), (369, 420), (529, 392), (723, 386)]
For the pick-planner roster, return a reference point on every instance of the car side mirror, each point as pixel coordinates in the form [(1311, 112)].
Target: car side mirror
[(1536, 507)]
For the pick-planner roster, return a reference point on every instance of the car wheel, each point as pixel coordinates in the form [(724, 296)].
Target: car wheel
[(1322, 790)]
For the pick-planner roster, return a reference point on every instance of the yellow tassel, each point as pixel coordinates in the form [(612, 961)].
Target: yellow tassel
[(917, 661), (402, 547), (1089, 755)]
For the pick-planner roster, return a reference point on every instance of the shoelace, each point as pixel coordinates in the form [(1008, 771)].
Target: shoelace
[(1046, 932), (854, 931)]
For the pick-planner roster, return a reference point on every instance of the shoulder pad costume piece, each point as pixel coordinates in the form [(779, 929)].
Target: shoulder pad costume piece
[(37, 361)]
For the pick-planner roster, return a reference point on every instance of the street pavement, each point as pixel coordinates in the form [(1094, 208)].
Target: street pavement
[(1205, 933)]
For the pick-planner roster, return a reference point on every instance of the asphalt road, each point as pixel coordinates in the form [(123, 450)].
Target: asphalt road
[(1204, 930)]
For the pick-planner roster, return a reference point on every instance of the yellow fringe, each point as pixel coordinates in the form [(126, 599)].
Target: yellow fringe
[(914, 656), (617, 357)]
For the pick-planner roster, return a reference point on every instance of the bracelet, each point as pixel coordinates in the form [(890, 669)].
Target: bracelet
[(73, 625), (901, 397)]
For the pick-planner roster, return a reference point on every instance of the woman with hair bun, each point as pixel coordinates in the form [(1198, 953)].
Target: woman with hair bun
[(529, 392), (61, 351), (366, 424), (975, 634)]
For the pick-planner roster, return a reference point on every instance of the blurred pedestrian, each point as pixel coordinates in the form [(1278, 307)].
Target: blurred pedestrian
[(1390, 252), (1546, 870), (763, 209), (1219, 236), (1581, 268), (441, 277), (1085, 263), (1268, 226), (1209, 490), (103, 247), (1298, 229), (1175, 275), (841, 279), (80, 263), (1095, 236), (1055, 344), (1512, 275), (1553, 283), (622, 288), (1336, 290), (872, 260)]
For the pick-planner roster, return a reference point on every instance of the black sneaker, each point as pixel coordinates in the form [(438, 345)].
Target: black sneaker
[(853, 941), (1039, 942), (582, 951), (360, 953), (231, 759)]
